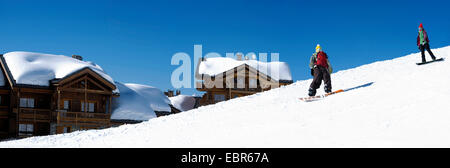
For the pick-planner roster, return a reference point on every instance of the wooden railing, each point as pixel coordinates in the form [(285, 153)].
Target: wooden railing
[(82, 118), (33, 114), (201, 86), (46, 115)]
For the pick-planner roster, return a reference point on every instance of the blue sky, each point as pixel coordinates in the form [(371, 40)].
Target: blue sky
[(135, 40)]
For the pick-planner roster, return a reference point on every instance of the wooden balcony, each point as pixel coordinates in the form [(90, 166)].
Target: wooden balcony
[(75, 118), (33, 114), (82, 118), (201, 86)]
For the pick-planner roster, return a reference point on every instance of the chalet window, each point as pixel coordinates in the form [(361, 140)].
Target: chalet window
[(90, 107), (26, 129), (107, 106), (240, 83), (27, 102), (253, 83), (219, 97), (66, 105), (66, 130), (82, 84)]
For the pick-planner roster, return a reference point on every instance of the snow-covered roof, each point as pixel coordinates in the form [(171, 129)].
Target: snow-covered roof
[(183, 102), (217, 65), (138, 102), (38, 69)]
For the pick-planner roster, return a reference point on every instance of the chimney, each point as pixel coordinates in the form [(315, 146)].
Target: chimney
[(77, 57), (178, 92), (239, 56)]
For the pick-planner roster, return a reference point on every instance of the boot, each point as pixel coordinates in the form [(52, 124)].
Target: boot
[(311, 92), (327, 89)]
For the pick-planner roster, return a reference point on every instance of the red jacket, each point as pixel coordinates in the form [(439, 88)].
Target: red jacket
[(424, 36), (322, 59)]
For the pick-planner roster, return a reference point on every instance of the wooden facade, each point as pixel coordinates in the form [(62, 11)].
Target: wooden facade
[(79, 101), (4, 111), (240, 81), (82, 101)]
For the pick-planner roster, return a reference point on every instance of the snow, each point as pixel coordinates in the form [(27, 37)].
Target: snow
[(138, 102), (217, 65), (398, 104), (183, 102), (38, 69)]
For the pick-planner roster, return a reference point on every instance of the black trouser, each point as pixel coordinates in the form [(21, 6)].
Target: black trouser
[(321, 73), (422, 49)]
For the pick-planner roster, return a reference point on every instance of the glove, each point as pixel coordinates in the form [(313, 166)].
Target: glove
[(312, 72)]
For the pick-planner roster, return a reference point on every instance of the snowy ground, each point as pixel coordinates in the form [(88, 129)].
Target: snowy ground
[(405, 106)]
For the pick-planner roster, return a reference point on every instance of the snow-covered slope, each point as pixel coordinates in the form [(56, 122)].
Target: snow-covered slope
[(399, 104), (138, 102), (37, 69)]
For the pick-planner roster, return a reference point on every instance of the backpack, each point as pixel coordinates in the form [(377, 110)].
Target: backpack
[(322, 59)]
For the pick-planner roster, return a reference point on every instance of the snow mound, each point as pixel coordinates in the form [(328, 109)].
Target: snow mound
[(392, 103), (183, 102), (138, 102), (217, 65), (38, 69)]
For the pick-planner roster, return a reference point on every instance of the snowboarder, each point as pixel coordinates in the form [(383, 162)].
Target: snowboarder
[(423, 43), (321, 70)]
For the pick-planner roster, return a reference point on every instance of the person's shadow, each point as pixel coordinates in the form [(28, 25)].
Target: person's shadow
[(360, 86), (348, 89)]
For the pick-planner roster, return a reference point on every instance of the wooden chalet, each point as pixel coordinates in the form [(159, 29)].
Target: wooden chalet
[(78, 101), (235, 82)]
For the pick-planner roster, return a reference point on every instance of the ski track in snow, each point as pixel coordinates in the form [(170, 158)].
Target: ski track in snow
[(406, 106)]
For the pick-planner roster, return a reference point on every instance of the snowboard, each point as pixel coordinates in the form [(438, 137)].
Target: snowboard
[(318, 97), (421, 63)]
